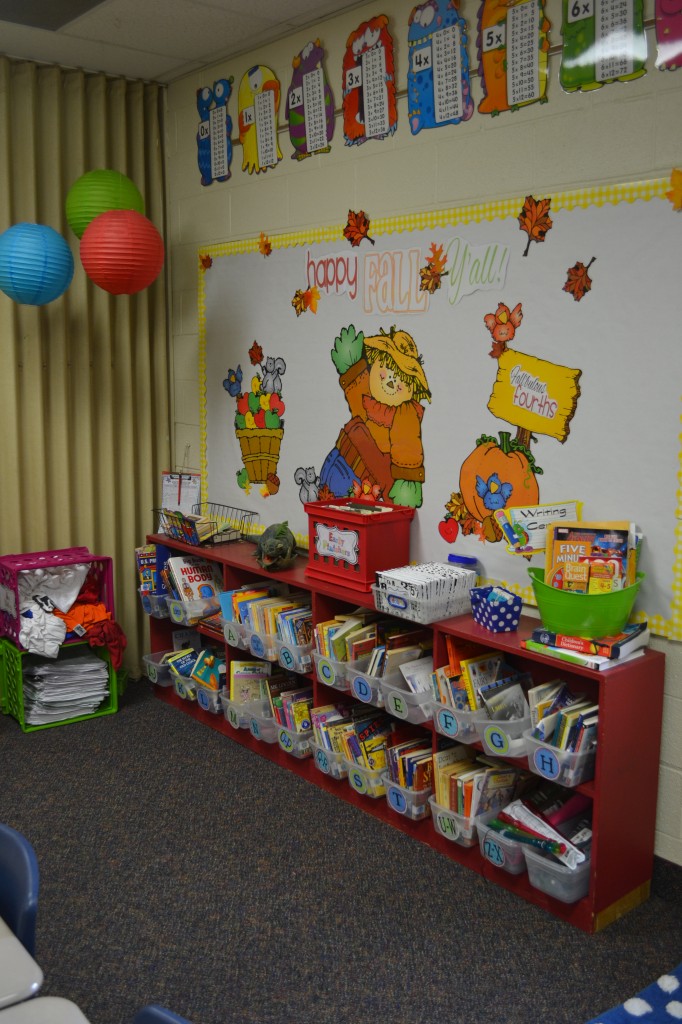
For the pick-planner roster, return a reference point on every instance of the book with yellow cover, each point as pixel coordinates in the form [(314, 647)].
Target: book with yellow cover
[(577, 552)]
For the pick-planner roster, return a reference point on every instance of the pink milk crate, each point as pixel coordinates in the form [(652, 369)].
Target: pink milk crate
[(12, 565)]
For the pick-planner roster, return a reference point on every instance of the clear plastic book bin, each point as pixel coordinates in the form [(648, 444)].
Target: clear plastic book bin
[(364, 687), (458, 828), (500, 851), (263, 645), (262, 724), (365, 781), (188, 613), (184, 686), (329, 762), (331, 672), (403, 703), (297, 744), (156, 669), (236, 635), (454, 723), (154, 605), (294, 657), (410, 803), (208, 699), (568, 768), (239, 715), (502, 739), (550, 876)]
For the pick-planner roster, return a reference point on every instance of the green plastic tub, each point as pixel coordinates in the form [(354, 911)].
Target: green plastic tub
[(591, 615)]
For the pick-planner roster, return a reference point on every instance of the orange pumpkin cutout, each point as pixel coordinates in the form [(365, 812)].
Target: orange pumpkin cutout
[(498, 475)]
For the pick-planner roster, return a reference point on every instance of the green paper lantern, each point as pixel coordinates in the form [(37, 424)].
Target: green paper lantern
[(98, 192)]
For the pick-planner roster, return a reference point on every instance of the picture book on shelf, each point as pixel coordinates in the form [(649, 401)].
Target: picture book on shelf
[(195, 578), (248, 680), (209, 670), (477, 671), (145, 560), (593, 661), (632, 637)]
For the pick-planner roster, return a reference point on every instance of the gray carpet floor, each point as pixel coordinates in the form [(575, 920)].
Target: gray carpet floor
[(178, 867)]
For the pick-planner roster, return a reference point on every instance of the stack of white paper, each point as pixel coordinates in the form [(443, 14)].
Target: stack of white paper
[(73, 686)]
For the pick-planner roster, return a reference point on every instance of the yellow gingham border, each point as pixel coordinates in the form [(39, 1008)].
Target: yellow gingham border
[(597, 195)]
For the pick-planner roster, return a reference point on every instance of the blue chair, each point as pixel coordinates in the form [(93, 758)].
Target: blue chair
[(19, 881), (155, 1014)]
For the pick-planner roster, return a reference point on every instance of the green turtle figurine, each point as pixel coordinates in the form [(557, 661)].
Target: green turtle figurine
[(276, 548)]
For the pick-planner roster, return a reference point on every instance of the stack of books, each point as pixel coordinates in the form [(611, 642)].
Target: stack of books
[(598, 653)]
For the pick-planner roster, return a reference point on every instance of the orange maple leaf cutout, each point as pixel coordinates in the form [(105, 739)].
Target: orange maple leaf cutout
[(534, 219), (675, 193), (357, 227), (311, 297), (206, 261), (578, 281), (264, 245), (437, 258)]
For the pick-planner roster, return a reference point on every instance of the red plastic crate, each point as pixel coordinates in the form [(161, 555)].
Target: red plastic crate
[(349, 548), (12, 565)]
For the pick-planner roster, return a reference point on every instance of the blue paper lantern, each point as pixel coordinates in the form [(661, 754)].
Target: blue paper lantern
[(36, 265)]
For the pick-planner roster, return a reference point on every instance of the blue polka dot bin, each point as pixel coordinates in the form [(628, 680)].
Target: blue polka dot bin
[(496, 609)]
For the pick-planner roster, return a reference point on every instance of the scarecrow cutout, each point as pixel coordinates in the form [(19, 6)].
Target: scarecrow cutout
[(379, 449)]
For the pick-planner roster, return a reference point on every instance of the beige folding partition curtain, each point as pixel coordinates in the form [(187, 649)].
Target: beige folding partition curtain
[(84, 380)]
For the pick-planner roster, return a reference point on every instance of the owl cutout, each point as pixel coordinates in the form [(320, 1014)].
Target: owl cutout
[(310, 104), (513, 52), (438, 84), (258, 101), (214, 135), (369, 94), (668, 34)]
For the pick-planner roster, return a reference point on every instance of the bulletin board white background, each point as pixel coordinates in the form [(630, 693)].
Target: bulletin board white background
[(622, 455)]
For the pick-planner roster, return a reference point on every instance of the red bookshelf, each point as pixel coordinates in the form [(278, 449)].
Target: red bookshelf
[(624, 788)]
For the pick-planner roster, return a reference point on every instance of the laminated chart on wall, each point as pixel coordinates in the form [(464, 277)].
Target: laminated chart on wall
[(668, 22), (214, 134), (513, 54), (603, 41), (461, 362), (259, 95), (310, 104), (438, 83), (369, 92)]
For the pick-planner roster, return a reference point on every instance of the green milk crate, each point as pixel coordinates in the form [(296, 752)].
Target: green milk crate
[(12, 684)]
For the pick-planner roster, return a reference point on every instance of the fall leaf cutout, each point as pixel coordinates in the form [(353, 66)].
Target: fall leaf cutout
[(578, 281), (305, 300), (675, 193), (206, 261), (264, 245), (433, 271), (534, 219), (357, 227)]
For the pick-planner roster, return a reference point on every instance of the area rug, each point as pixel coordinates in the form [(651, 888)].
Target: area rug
[(659, 1003)]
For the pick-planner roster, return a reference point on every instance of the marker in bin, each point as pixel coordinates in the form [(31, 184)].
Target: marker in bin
[(510, 831)]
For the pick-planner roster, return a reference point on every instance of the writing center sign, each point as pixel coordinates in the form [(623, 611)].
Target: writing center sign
[(391, 281)]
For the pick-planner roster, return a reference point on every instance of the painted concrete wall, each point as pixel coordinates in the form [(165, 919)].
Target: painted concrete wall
[(622, 132)]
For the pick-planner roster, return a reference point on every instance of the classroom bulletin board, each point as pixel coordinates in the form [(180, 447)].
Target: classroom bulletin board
[(523, 352)]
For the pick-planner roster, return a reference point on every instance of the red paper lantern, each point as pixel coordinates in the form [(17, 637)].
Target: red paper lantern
[(122, 252)]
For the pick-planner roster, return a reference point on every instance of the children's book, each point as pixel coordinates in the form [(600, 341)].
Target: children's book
[(574, 550), (248, 680), (506, 703), (417, 674), (209, 670), (632, 637), (183, 661), (145, 559), (195, 577), (477, 671), (443, 759)]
